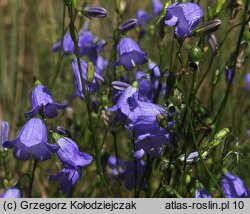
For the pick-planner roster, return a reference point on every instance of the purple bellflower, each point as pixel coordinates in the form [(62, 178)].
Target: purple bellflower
[(127, 172), (145, 87), (143, 18), (149, 135), (100, 65), (31, 141), (12, 192), (42, 102), (185, 17), (130, 54), (126, 103), (70, 156), (92, 87), (234, 187), (4, 132), (247, 82), (229, 73), (68, 45), (202, 193), (157, 7), (88, 45), (67, 178)]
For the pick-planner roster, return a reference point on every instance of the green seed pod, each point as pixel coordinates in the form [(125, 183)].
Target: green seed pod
[(74, 4), (217, 7), (195, 54), (188, 179), (90, 72), (222, 134)]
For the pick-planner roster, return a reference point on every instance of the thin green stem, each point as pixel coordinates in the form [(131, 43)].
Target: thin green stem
[(32, 177), (74, 36), (200, 154)]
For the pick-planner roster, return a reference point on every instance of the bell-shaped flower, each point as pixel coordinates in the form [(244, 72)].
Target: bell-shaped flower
[(67, 178), (128, 171), (42, 102), (143, 18), (202, 193), (68, 45), (157, 7), (90, 87), (32, 141), (69, 153), (89, 46), (233, 186), (12, 192), (185, 17), (4, 132), (126, 103), (130, 54), (100, 65)]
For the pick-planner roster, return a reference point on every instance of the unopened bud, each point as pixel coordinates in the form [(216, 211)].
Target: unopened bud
[(208, 28), (128, 25), (95, 12), (222, 134), (121, 86), (213, 42)]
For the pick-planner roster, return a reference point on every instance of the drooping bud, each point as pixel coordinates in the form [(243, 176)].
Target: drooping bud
[(95, 12), (128, 25), (213, 42), (208, 28)]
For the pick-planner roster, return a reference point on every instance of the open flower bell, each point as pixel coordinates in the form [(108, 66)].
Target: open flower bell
[(130, 54), (67, 178), (185, 17), (42, 102), (69, 153), (12, 192), (32, 141)]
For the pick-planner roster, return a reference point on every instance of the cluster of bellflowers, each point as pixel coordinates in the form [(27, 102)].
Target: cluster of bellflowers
[(232, 186), (149, 125), (32, 142)]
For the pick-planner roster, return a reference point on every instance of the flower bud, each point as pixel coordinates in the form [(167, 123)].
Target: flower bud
[(216, 77), (128, 25), (222, 134), (90, 72), (118, 85), (213, 42), (208, 28), (95, 12), (218, 6)]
